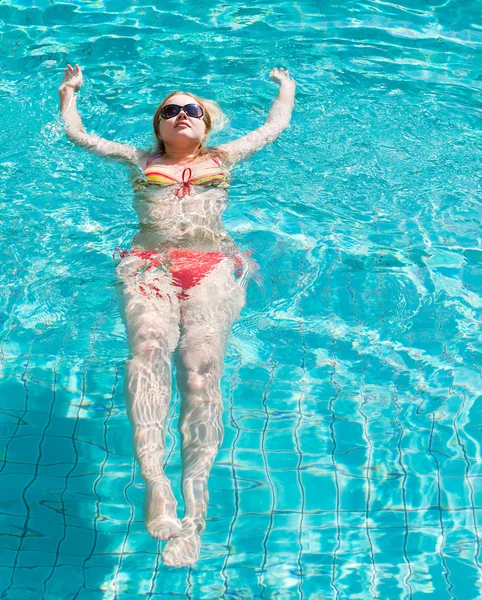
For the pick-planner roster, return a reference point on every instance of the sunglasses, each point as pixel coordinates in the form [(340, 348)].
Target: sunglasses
[(172, 110)]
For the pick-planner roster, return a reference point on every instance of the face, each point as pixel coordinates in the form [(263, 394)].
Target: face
[(182, 131)]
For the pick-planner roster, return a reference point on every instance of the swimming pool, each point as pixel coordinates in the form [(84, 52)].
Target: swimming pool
[(350, 464)]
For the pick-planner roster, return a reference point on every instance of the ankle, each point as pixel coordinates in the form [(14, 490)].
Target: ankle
[(197, 524)]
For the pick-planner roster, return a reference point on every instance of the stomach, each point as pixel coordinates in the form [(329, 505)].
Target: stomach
[(193, 237), (193, 222)]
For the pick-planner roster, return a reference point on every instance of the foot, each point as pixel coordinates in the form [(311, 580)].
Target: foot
[(160, 511), (183, 551)]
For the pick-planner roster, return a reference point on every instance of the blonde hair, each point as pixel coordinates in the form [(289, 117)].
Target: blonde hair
[(213, 118)]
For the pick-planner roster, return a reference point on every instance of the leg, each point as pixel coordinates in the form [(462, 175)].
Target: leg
[(152, 323), (206, 319)]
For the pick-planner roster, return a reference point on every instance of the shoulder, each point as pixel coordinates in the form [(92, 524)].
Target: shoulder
[(221, 155), (217, 152), (150, 157), (144, 158)]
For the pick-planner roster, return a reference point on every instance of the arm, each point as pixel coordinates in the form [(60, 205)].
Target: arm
[(278, 120), (75, 130)]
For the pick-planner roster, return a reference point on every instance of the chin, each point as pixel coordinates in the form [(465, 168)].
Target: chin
[(184, 140), (185, 134)]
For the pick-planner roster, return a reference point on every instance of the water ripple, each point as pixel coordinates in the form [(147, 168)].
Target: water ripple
[(352, 444)]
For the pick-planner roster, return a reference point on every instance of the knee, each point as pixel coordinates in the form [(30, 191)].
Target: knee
[(197, 380), (153, 340), (151, 337), (148, 354), (146, 348), (202, 375)]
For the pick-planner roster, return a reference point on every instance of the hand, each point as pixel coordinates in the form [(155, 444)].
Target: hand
[(72, 80), (282, 77)]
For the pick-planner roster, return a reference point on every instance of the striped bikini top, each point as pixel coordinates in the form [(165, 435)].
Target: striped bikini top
[(208, 177)]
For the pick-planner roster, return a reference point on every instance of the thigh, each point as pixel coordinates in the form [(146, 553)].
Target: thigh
[(214, 304), (148, 304)]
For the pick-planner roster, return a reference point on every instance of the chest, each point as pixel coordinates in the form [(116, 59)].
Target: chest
[(207, 174)]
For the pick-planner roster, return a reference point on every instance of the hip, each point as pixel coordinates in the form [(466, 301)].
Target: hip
[(153, 272)]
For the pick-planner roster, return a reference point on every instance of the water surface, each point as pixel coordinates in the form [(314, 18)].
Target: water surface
[(351, 461)]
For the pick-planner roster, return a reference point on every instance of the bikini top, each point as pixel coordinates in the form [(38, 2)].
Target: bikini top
[(208, 177)]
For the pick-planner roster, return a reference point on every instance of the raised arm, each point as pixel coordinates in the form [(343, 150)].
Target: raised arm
[(71, 82), (278, 120)]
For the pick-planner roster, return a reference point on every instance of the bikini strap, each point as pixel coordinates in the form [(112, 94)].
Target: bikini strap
[(216, 160), (151, 158)]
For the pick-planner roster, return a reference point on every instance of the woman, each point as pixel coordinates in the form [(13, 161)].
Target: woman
[(179, 293)]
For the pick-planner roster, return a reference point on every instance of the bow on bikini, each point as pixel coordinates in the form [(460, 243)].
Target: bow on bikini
[(186, 186)]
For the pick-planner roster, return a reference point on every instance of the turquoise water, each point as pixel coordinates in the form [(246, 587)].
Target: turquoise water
[(351, 465)]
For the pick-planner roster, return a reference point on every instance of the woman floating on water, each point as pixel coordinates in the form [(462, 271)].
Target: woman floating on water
[(180, 294)]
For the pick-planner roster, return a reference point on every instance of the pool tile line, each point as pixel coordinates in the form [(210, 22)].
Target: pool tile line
[(89, 557), (301, 397), (331, 407), (27, 506), (234, 382), (272, 363), (122, 553), (406, 558), (478, 545), (366, 435), (304, 278), (463, 411), (441, 542)]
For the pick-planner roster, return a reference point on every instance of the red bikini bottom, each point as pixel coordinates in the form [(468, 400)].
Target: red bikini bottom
[(187, 267)]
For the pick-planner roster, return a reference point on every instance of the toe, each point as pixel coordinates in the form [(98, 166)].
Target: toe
[(164, 528), (161, 534), (170, 560)]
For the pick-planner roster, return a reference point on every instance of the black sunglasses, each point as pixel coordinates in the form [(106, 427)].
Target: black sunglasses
[(172, 110)]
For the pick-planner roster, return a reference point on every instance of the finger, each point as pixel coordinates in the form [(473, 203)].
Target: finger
[(71, 71), (77, 68)]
